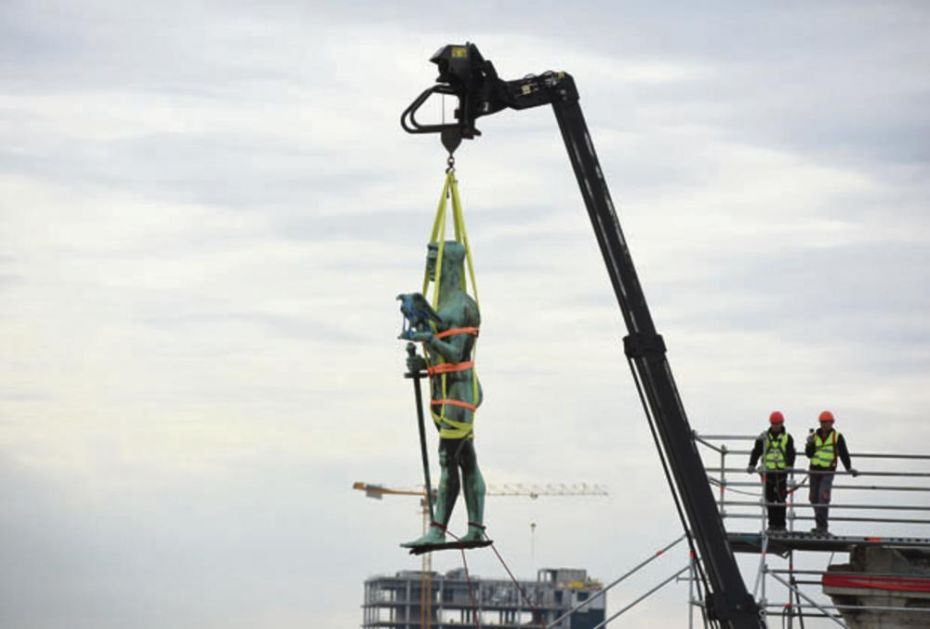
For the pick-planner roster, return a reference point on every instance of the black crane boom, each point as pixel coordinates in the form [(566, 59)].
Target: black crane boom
[(464, 73)]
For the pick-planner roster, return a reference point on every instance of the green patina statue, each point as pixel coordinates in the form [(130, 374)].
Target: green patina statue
[(455, 395)]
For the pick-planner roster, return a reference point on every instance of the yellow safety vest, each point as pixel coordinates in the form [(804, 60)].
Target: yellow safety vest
[(775, 448), (825, 451)]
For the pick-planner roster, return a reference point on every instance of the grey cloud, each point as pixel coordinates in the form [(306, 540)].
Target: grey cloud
[(858, 101), (868, 297), (48, 47), (8, 394), (410, 226), (195, 169), (303, 327), (10, 279), (149, 556)]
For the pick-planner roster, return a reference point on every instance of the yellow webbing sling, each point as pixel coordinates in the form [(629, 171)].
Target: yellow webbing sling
[(449, 428)]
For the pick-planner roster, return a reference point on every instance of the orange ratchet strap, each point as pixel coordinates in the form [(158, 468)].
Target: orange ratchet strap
[(459, 403), (455, 331), (449, 367)]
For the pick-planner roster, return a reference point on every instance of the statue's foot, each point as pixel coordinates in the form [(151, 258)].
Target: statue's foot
[(434, 536), (475, 533)]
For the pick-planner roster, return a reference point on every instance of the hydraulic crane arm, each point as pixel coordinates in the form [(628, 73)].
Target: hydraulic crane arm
[(465, 74)]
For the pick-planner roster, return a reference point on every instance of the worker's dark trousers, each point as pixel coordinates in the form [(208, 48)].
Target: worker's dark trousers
[(776, 490), (821, 486)]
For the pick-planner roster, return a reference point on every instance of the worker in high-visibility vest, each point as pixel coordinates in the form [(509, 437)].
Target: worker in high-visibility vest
[(776, 449), (824, 447)]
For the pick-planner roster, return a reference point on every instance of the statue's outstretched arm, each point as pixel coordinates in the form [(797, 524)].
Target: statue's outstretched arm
[(453, 350)]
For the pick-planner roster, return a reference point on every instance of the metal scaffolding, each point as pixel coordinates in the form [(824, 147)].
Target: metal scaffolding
[(892, 489)]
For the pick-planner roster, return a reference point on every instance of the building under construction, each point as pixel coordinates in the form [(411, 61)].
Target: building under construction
[(397, 602)]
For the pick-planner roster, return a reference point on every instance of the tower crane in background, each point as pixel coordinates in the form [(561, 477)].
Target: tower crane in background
[(504, 489)]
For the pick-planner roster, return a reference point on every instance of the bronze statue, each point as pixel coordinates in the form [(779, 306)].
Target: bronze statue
[(455, 392)]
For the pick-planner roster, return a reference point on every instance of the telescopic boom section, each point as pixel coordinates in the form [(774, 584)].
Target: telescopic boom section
[(464, 73)]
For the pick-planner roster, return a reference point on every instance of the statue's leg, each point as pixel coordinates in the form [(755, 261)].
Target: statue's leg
[(446, 494), (474, 490), (449, 483)]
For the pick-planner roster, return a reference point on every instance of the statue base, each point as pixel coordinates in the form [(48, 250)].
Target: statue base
[(428, 548)]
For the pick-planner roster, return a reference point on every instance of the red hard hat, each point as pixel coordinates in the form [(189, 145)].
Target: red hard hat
[(776, 418), (826, 416)]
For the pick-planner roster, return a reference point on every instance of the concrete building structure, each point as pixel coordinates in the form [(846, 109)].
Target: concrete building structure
[(881, 587), (395, 602)]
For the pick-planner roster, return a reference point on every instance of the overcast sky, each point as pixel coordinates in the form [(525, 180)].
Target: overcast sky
[(207, 209)]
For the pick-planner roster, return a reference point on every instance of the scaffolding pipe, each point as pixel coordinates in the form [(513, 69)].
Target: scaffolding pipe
[(889, 455), (805, 582), (866, 455), (882, 487), (745, 516), (691, 578), (854, 455), (864, 507), (708, 443), (636, 569), (761, 571), (809, 600), (750, 483), (834, 472), (723, 476), (643, 597), (869, 608), (726, 437), (836, 572), (810, 615)]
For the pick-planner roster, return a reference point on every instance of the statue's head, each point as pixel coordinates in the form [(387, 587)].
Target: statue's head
[(453, 255)]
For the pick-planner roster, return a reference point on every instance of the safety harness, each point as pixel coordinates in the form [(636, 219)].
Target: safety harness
[(775, 450), (825, 451), (450, 428)]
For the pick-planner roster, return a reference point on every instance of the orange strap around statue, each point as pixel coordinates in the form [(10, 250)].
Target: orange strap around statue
[(449, 367), (455, 332), (458, 403), (452, 367)]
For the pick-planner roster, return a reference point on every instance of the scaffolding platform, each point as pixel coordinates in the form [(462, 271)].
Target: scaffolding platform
[(783, 542), (886, 579)]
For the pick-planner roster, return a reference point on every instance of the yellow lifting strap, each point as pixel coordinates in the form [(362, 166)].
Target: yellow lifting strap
[(449, 428)]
